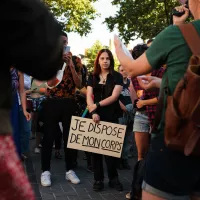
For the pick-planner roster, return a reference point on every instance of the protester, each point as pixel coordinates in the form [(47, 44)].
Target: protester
[(37, 94), (59, 106), (19, 105), (127, 118), (145, 113), (169, 174), (103, 91), (25, 125)]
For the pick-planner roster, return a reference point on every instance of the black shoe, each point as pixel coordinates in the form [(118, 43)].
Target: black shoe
[(98, 186), (115, 184), (125, 164), (58, 155)]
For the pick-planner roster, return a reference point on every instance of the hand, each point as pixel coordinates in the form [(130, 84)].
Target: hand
[(96, 118), (117, 43), (67, 57), (92, 107), (140, 103), (149, 82), (182, 19), (28, 91), (27, 115)]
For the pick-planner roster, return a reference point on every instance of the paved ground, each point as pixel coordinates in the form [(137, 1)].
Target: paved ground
[(63, 190)]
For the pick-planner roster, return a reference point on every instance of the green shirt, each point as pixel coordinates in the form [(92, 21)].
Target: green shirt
[(170, 48)]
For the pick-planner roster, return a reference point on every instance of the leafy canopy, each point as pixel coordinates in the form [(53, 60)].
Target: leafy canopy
[(141, 18), (75, 15)]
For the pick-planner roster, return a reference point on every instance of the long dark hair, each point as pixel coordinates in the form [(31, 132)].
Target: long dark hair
[(97, 68)]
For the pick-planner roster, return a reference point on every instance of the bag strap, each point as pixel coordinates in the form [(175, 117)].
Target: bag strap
[(191, 37)]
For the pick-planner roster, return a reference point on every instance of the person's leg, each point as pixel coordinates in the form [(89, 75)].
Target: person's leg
[(68, 109), (125, 150), (141, 129), (142, 143), (97, 161), (25, 130), (89, 161), (15, 123), (34, 117), (51, 116), (111, 164), (149, 196), (58, 142)]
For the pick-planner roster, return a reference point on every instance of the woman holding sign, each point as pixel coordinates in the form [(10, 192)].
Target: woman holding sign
[(103, 90)]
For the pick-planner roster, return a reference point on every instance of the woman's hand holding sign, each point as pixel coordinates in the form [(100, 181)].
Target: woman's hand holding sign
[(95, 116)]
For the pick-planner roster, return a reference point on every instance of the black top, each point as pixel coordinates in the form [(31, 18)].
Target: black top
[(111, 112), (125, 97)]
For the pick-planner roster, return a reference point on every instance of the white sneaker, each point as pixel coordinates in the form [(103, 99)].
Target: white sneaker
[(46, 179), (37, 150), (71, 176)]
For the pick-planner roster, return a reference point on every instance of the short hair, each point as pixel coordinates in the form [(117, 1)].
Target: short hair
[(139, 50), (64, 34), (149, 41)]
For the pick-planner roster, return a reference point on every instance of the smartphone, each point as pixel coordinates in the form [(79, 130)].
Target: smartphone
[(66, 49), (179, 14)]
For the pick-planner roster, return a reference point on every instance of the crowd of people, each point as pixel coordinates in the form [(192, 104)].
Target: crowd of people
[(138, 95)]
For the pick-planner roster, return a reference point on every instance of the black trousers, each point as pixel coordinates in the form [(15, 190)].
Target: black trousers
[(111, 163), (58, 138), (55, 111)]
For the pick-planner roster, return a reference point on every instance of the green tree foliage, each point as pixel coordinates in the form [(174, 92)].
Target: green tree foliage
[(141, 18), (91, 55), (75, 15)]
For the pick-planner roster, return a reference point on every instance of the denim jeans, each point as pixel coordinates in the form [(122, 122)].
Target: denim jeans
[(25, 131), (125, 120)]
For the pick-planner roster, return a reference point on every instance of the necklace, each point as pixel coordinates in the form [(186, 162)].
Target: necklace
[(104, 79)]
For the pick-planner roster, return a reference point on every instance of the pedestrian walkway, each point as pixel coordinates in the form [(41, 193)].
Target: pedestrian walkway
[(63, 190)]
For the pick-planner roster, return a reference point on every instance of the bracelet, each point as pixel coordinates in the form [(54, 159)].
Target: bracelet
[(98, 104)]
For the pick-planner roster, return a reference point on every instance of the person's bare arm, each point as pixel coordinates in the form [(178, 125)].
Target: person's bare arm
[(111, 99), (22, 95), (133, 93), (76, 77), (134, 68), (122, 106), (147, 102)]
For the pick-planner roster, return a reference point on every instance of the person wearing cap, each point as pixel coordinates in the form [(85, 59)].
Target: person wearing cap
[(169, 174)]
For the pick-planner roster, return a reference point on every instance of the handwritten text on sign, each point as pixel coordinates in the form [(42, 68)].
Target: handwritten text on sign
[(103, 138)]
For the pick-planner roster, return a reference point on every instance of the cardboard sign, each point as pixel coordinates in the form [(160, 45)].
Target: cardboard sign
[(103, 138)]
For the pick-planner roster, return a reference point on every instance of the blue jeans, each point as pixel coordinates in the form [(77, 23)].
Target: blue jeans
[(15, 123), (25, 131), (124, 120)]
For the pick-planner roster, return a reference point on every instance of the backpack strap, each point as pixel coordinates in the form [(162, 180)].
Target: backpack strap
[(191, 37)]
